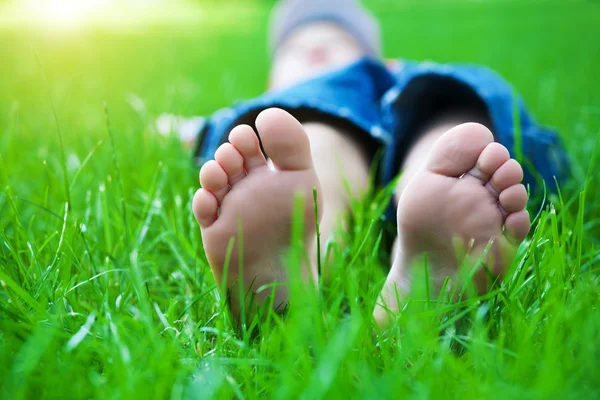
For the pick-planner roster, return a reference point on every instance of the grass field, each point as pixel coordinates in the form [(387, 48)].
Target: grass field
[(112, 297)]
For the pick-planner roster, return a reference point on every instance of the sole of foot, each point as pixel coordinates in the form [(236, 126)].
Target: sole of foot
[(467, 196), (248, 203)]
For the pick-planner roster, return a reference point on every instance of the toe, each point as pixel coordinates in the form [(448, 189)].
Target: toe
[(284, 140), (231, 161), (205, 208), (243, 138), (214, 179), (517, 226), (508, 174), (513, 198), (456, 152), (490, 159)]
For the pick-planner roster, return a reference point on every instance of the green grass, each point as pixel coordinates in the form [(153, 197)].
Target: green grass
[(112, 296)]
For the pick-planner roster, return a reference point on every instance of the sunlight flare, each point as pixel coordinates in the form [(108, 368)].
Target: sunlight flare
[(67, 13)]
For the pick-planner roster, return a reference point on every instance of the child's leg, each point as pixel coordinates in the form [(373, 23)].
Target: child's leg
[(258, 200), (312, 50), (457, 184)]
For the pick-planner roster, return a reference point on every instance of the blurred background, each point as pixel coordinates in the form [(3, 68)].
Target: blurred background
[(75, 70), (147, 57)]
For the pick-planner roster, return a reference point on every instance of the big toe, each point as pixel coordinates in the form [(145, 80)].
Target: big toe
[(284, 140), (456, 152)]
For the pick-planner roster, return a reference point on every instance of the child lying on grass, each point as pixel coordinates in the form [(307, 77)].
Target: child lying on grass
[(332, 104)]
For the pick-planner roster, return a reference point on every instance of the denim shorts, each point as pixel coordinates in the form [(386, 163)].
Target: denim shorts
[(386, 104)]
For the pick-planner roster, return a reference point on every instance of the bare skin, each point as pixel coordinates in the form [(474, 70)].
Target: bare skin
[(468, 189), (313, 50), (456, 184), (244, 188), (257, 201)]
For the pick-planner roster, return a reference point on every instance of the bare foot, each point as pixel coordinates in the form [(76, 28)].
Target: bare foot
[(240, 191), (469, 189)]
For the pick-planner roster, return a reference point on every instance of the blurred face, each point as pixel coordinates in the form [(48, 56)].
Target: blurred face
[(312, 50)]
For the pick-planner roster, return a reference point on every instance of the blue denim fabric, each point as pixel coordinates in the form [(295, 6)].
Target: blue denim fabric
[(350, 95), (384, 105), (543, 155)]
